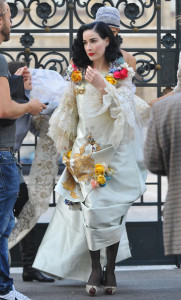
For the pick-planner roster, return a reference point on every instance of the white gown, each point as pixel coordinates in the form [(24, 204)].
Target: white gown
[(100, 221)]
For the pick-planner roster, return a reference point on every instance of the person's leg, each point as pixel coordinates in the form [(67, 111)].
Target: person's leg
[(6, 282), (9, 185), (110, 278), (96, 274), (28, 244), (28, 253)]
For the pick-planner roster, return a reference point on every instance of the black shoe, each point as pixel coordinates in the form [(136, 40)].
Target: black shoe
[(36, 275)]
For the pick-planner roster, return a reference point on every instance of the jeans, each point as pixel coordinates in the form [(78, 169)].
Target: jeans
[(9, 186)]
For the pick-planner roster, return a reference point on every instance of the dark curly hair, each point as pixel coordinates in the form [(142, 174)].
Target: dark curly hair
[(13, 66), (112, 51)]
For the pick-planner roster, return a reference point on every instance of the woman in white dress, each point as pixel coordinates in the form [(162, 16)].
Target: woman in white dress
[(97, 123)]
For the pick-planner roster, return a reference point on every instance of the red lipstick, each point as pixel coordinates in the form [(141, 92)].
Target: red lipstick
[(91, 54)]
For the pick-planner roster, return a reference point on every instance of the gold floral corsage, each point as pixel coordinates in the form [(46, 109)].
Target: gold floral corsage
[(102, 174)]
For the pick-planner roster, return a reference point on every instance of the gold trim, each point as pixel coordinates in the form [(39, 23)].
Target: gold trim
[(79, 91), (70, 185)]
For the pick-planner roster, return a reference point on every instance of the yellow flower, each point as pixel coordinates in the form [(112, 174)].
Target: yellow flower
[(101, 179), (99, 169), (76, 76), (69, 154), (111, 79)]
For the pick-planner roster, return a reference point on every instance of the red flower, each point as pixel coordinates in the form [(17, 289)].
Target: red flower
[(74, 67), (122, 74)]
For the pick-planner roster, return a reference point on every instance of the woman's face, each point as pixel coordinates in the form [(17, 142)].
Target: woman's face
[(94, 45)]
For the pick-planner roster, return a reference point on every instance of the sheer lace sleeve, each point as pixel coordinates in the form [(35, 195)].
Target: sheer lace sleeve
[(108, 117), (142, 109), (63, 122)]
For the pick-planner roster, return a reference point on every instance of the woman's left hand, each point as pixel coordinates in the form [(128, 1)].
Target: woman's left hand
[(95, 78)]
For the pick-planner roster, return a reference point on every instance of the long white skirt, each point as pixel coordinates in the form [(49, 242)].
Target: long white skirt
[(64, 251)]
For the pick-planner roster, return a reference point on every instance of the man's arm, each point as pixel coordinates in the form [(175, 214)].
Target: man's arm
[(160, 98), (10, 109), (152, 150)]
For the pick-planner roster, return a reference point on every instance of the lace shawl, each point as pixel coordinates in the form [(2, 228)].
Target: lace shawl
[(142, 110), (40, 183), (63, 122), (110, 116)]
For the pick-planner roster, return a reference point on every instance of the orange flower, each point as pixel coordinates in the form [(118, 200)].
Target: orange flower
[(99, 169), (76, 76)]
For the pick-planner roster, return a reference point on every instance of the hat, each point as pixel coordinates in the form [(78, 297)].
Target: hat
[(109, 15)]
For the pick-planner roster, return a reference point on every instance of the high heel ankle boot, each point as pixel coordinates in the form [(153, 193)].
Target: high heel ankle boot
[(92, 286)]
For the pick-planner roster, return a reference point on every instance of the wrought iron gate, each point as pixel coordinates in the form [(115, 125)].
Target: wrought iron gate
[(42, 35)]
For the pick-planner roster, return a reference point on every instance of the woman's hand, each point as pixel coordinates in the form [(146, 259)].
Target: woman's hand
[(95, 78)]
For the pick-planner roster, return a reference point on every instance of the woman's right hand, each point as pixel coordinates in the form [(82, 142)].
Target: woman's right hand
[(95, 78)]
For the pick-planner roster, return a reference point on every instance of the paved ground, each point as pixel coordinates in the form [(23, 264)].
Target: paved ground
[(134, 283)]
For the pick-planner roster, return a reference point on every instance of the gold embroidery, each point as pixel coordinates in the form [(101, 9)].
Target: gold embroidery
[(66, 161), (97, 148), (70, 185), (79, 91), (82, 166)]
